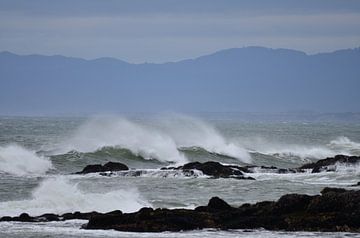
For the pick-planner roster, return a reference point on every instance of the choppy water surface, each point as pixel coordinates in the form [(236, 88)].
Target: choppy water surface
[(39, 155)]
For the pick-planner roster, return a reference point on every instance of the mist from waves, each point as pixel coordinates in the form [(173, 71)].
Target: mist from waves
[(19, 161), (302, 153), (161, 141), (59, 195)]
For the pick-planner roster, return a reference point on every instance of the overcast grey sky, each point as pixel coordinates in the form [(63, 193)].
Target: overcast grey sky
[(170, 30)]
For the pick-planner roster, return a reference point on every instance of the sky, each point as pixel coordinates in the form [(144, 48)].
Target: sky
[(158, 31)]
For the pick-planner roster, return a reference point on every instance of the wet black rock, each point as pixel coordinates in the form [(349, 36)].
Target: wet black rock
[(355, 185), (333, 210), (110, 166), (47, 217), (328, 164), (213, 169)]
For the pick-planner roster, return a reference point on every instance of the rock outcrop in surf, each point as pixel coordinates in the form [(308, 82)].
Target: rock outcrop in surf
[(109, 166), (216, 170), (326, 165), (213, 169), (336, 209)]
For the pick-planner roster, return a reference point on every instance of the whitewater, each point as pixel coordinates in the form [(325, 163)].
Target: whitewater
[(39, 156)]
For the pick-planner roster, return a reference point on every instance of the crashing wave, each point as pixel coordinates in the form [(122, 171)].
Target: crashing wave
[(19, 161), (159, 141), (58, 195)]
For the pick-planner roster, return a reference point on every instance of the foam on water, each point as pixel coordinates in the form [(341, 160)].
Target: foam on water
[(19, 161), (58, 195), (341, 145), (161, 140), (70, 228), (150, 173), (119, 132), (345, 144), (192, 132)]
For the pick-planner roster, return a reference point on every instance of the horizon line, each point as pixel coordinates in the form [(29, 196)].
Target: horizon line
[(167, 62)]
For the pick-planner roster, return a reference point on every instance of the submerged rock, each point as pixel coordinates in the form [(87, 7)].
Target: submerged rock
[(328, 164), (110, 166), (213, 169), (355, 185), (333, 210)]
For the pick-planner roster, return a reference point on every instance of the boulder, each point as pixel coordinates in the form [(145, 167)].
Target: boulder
[(213, 169), (329, 164), (332, 211), (110, 166)]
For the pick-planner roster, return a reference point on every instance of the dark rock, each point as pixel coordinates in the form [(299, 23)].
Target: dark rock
[(329, 163), (334, 210), (114, 166), (292, 203), (355, 185), (333, 190), (48, 217), (6, 218), (110, 166), (25, 217), (216, 203), (213, 169)]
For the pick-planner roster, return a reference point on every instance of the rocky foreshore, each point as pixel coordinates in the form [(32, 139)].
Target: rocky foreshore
[(328, 164), (98, 168), (334, 210), (216, 170), (213, 169)]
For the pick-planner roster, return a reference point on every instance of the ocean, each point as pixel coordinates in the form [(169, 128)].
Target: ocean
[(39, 156)]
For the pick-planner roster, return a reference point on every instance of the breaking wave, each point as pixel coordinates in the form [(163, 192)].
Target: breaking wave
[(141, 140), (343, 143), (163, 141), (17, 160), (189, 132), (58, 195), (302, 152)]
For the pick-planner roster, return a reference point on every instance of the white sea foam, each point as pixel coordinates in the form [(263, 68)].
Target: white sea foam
[(59, 195), (192, 132), (119, 132), (159, 141), (343, 143), (151, 173), (288, 150), (17, 160)]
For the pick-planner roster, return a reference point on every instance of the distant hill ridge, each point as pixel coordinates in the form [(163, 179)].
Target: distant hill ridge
[(239, 79)]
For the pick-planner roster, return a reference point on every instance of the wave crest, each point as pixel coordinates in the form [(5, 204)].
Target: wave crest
[(141, 140), (17, 160), (58, 195), (161, 140)]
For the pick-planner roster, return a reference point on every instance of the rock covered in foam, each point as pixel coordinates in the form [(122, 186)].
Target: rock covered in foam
[(213, 169), (329, 163), (110, 166)]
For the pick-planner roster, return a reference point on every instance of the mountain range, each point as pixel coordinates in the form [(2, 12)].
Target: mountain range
[(250, 79)]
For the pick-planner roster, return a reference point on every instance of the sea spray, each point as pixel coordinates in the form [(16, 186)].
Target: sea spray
[(19, 161), (188, 131), (345, 144), (59, 195), (119, 132), (299, 151)]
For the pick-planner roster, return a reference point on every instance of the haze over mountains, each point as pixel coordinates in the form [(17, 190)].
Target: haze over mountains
[(251, 79)]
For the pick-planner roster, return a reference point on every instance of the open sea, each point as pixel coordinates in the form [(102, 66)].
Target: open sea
[(39, 156)]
